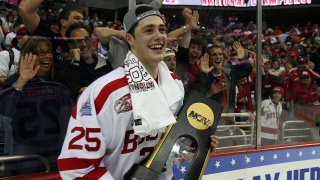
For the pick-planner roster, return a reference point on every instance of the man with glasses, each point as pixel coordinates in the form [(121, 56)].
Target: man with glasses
[(38, 27), (86, 65)]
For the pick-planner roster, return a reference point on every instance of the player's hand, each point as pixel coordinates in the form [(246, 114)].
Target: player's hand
[(214, 143)]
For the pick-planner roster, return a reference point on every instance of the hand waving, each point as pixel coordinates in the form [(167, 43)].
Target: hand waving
[(27, 68), (187, 14), (237, 47), (204, 64), (194, 21)]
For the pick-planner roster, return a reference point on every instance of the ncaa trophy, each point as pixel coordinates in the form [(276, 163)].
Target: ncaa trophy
[(197, 120)]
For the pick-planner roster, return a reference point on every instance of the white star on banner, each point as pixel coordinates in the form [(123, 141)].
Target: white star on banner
[(314, 152), (183, 169), (217, 164), (247, 159), (233, 162), (261, 158), (275, 156), (288, 155), (300, 153)]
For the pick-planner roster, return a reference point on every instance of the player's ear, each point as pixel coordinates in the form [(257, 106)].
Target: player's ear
[(130, 40)]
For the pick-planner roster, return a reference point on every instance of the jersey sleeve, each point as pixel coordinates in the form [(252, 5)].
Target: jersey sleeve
[(84, 145)]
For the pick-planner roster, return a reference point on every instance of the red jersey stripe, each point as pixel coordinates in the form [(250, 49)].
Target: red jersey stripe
[(107, 90), (175, 76), (94, 174), (74, 112), (77, 163)]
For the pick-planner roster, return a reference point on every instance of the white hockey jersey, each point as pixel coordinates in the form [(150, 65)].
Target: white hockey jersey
[(100, 141), (270, 119)]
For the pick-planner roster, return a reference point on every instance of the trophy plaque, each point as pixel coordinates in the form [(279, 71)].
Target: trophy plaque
[(197, 120)]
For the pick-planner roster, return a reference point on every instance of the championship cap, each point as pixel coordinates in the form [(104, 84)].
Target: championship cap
[(137, 13)]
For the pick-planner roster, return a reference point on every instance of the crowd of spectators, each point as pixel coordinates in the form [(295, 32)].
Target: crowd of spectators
[(71, 50)]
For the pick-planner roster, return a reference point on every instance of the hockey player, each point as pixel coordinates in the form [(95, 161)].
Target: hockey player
[(119, 118)]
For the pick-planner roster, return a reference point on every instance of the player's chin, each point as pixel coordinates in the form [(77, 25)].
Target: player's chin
[(158, 57)]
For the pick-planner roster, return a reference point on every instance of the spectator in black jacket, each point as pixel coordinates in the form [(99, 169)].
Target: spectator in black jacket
[(86, 65)]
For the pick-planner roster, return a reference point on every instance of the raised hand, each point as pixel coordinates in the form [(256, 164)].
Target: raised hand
[(27, 68), (204, 64), (194, 20), (240, 51), (187, 14)]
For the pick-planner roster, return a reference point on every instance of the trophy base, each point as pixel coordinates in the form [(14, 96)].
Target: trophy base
[(139, 172)]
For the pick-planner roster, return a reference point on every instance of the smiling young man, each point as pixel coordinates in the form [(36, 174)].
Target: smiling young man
[(114, 125), (218, 81)]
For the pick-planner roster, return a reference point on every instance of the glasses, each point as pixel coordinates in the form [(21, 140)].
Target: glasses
[(78, 41), (42, 53)]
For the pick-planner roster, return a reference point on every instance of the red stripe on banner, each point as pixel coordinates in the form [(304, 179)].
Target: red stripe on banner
[(175, 76), (107, 90), (77, 163), (74, 111), (94, 174)]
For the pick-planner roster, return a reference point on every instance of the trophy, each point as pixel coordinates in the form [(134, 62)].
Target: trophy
[(197, 120)]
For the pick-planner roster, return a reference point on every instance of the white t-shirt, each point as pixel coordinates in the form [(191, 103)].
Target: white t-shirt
[(5, 60)]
